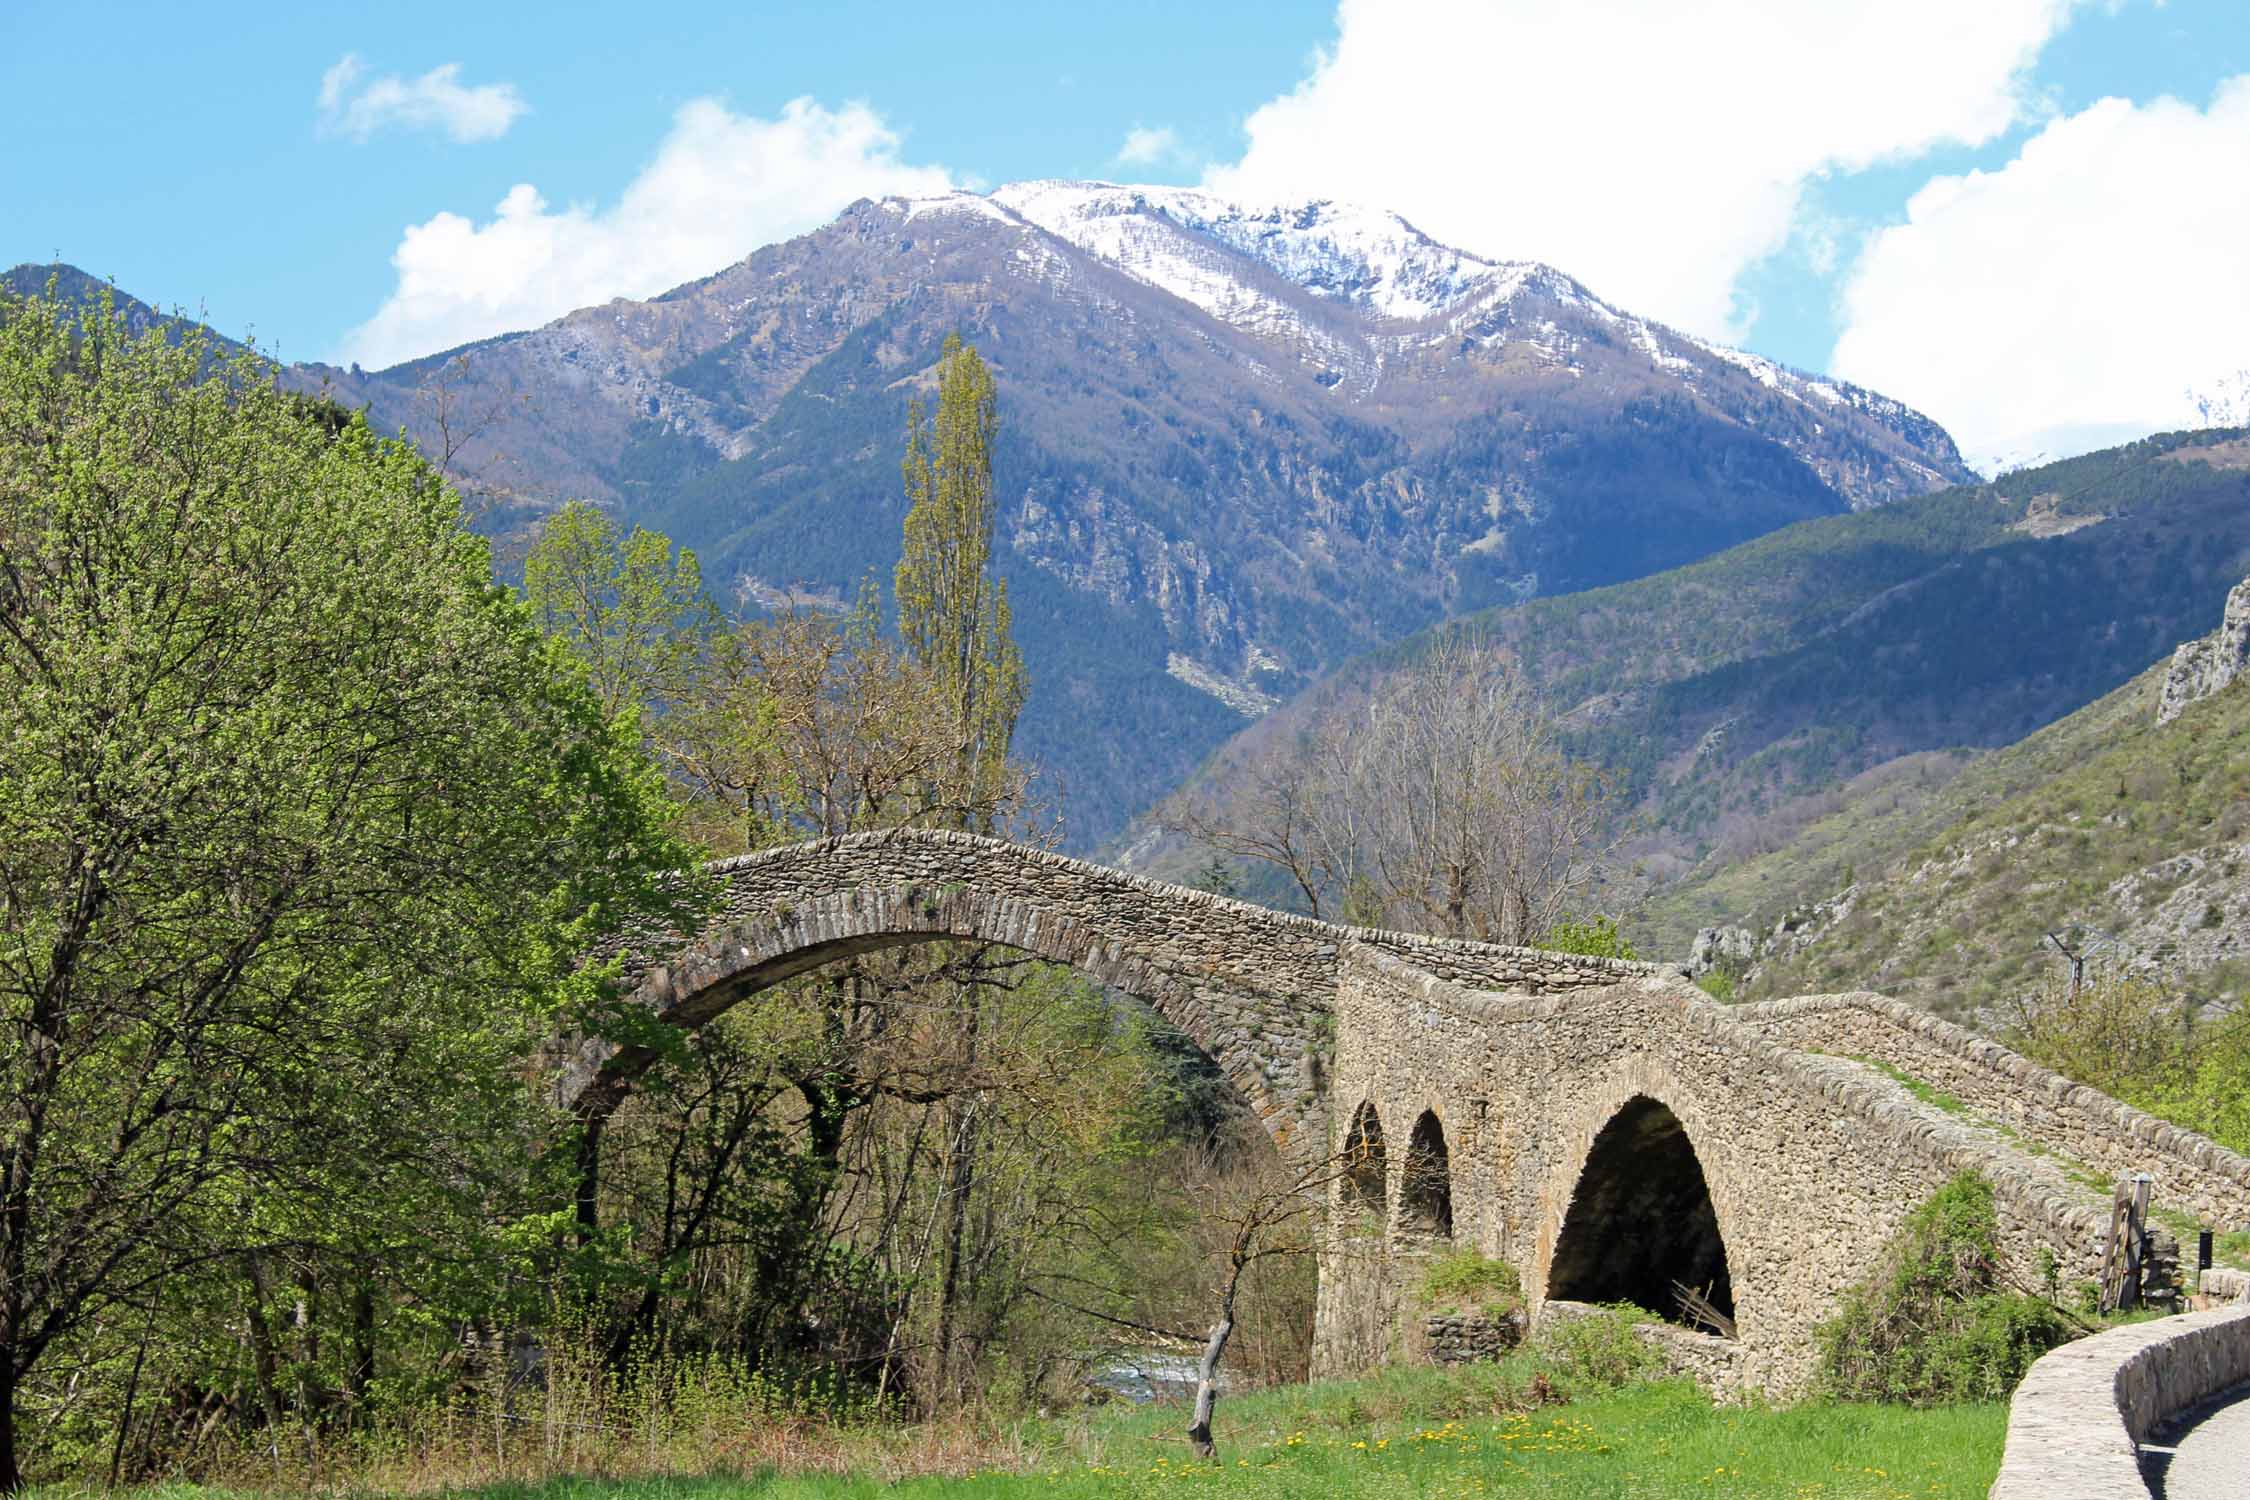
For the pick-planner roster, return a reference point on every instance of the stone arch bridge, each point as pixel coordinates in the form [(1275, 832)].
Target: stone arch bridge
[(1602, 1126)]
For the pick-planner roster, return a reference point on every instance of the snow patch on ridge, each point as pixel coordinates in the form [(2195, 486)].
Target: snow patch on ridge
[(1369, 259), (975, 205)]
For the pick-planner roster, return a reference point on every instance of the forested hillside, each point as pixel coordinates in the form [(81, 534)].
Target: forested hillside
[(1735, 700)]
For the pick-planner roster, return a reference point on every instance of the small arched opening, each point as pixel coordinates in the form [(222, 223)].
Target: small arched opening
[(1426, 1200), (1367, 1170), (1641, 1227)]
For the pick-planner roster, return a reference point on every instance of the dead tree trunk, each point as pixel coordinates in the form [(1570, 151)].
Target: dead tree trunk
[(1207, 1382)]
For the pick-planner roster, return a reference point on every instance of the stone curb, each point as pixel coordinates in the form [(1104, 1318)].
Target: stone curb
[(2075, 1426)]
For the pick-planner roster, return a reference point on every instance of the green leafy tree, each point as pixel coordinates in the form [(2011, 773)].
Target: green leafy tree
[(632, 610), (302, 828), (952, 613)]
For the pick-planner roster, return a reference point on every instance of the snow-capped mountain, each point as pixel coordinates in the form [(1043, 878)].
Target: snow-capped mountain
[(1373, 261), (1176, 239), (1239, 441)]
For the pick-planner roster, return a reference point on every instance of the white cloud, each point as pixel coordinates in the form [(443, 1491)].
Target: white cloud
[(1651, 148), (1147, 148), (2076, 296), (357, 108), (720, 185)]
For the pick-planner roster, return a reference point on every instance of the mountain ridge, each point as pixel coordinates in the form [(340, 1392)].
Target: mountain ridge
[(1347, 433)]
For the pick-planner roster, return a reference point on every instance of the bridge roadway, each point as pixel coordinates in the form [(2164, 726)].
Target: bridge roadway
[(2209, 1453), (1604, 1127)]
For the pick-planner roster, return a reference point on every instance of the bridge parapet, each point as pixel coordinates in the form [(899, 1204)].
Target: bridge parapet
[(2048, 1109), (1195, 928)]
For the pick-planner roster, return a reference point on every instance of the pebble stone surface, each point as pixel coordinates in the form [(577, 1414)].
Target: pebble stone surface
[(2211, 1457)]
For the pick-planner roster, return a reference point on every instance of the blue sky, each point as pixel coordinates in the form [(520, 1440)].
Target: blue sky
[(2030, 220)]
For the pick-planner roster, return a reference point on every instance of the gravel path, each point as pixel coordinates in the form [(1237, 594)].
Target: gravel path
[(2210, 1458)]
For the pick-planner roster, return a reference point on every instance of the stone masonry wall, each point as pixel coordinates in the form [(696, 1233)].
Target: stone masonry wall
[(2046, 1108), (1811, 1163)]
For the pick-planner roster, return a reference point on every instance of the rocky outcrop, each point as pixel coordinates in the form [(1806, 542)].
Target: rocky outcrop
[(1737, 951), (2202, 667), (1733, 949)]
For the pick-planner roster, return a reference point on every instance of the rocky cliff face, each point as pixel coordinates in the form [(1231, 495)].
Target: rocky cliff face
[(2202, 667)]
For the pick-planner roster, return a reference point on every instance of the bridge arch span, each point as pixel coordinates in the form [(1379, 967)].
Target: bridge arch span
[(1256, 989), (734, 959)]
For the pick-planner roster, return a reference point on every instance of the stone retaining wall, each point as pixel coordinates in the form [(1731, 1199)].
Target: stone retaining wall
[(2224, 1284), (2075, 1426), (2046, 1108), (1461, 1338)]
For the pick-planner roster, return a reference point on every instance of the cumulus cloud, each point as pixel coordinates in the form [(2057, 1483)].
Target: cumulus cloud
[(355, 105), (2077, 296), (719, 186), (1147, 148), (1653, 149)]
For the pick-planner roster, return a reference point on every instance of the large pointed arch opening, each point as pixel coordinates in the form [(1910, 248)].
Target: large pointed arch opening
[(1641, 1226), (764, 945)]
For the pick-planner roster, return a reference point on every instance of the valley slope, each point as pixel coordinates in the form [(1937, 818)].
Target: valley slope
[(1794, 708), (2106, 827)]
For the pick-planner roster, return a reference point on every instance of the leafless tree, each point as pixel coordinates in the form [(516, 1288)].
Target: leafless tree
[(1281, 1214), (1272, 812), (1442, 803)]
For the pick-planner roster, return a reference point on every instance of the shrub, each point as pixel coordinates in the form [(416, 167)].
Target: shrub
[(1931, 1327), (1599, 1351), (1463, 1279), (1598, 938)]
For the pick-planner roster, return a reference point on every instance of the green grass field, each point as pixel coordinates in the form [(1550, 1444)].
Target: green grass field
[(1409, 1433)]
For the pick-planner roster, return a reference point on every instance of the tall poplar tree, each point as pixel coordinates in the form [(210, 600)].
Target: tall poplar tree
[(952, 613), (953, 617)]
